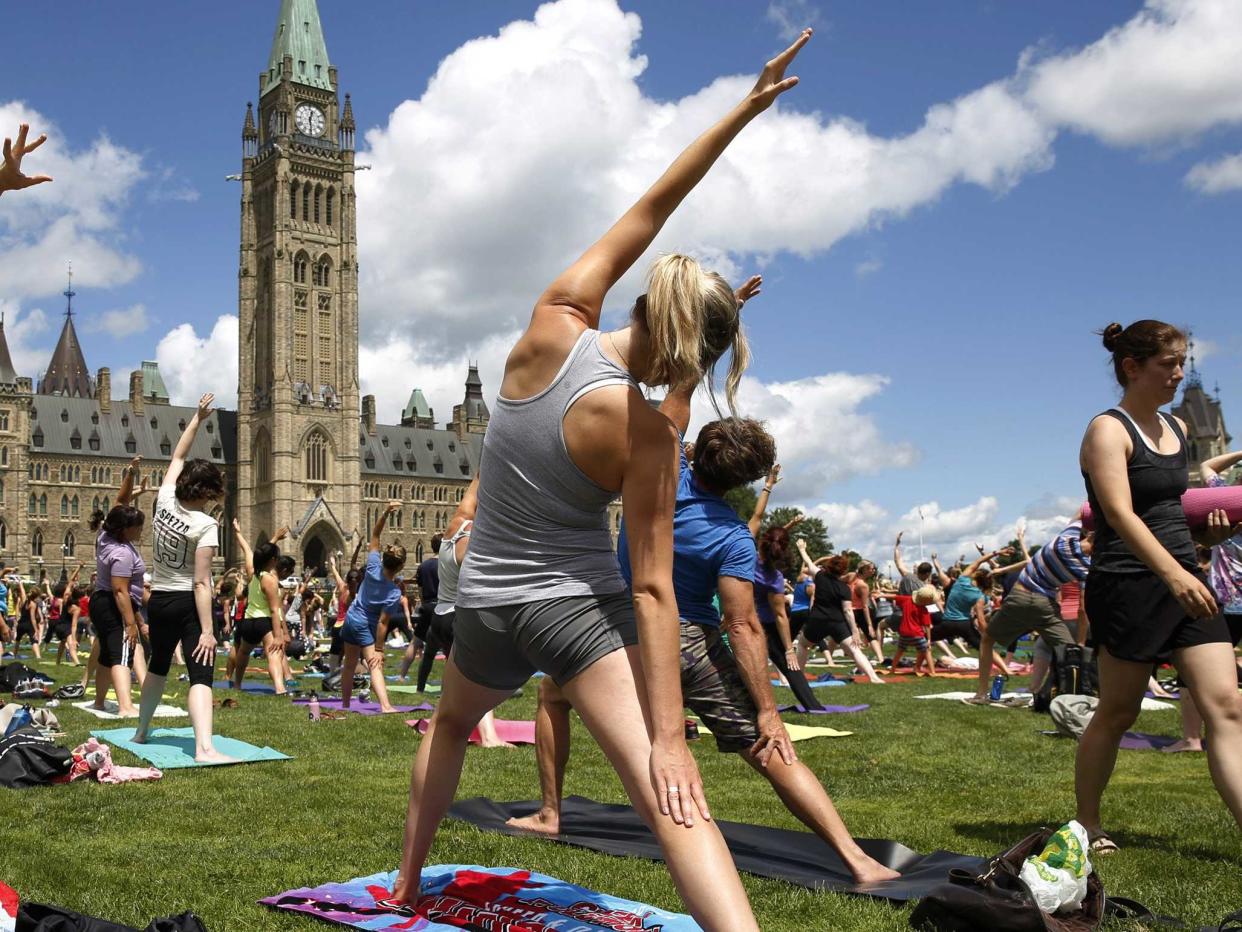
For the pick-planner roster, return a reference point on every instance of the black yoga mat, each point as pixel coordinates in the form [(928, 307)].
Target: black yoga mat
[(794, 857)]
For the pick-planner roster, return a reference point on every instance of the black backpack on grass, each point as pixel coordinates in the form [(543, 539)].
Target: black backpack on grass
[(1073, 673)]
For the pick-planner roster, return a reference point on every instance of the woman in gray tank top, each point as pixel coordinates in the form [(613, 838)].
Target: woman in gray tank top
[(540, 587)]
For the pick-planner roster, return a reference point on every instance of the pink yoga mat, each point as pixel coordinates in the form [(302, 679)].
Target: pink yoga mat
[(506, 730), (1197, 503), (364, 708)]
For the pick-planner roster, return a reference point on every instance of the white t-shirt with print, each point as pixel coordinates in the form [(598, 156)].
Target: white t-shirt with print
[(176, 534)]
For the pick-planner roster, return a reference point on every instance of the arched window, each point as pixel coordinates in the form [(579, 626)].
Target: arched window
[(73, 507), (329, 204), (306, 196), (77, 473), (323, 271), (105, 505), (94, 504), (64, 506), (262, 457), (34, 505), (300, 261), (36, 544), (293, 200), (4, 535), (316, 452), (4, 456), (43, 504), (318, 201), (70, 544)]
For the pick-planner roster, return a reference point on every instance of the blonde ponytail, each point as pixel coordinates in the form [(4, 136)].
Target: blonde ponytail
[(692, 317)]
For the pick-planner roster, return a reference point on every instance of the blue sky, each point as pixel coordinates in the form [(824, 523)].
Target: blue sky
[(974, 295)]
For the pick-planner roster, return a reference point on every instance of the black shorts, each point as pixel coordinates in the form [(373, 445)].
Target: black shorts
[(961, 628), (822, 626), (1137, 618), (173, 618), (110, 629), (797, 621), (25, 629), (423, 616), (868, 632), (254, 630)]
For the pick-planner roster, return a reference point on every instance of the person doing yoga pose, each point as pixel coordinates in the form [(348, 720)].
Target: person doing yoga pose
[(728, 689), (1147, 599), (378, 596), (540, 587), (263, 623), (832, 612), (185, 539)]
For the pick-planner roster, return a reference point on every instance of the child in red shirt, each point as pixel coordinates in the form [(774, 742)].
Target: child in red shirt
[(914, 632)]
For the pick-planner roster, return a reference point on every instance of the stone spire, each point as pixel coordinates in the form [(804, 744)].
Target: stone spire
[(250, 134), (348, 126), (8, 376), (67, 373), (471, 416), (299, 37)]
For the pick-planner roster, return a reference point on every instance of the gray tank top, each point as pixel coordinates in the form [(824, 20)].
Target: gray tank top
[(541, 530), (450, 569)]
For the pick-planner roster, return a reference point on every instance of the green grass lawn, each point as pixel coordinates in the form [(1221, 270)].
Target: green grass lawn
[(929, 774)]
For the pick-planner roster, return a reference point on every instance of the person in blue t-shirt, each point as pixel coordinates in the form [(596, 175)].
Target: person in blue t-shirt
[(713, 550), (378, 595)]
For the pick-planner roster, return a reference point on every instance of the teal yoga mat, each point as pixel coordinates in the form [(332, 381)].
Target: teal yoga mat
[(171, 748)]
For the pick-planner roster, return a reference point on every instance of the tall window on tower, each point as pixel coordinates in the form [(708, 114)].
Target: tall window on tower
[(301, 334), (306, 199), (293, 200), (300, 261), (316, 457), (330, 205), (262, 457)]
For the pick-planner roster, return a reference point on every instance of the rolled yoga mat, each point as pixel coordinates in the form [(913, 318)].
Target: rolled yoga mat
[(779, 854), (1197, 503)]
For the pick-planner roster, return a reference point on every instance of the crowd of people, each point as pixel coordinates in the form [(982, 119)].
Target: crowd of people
[(693, 603)]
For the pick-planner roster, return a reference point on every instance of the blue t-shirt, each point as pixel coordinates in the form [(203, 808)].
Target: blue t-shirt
[(767, 581), (962, 598), (801, 601), (4, 599), (376, 595), (709, 541)]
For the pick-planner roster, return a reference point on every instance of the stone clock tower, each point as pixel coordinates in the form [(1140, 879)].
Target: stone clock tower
[(298, 406)]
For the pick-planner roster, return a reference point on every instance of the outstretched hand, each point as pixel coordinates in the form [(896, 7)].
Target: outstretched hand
[(772, 81), (749, 289), (204, 405), (11, 177)]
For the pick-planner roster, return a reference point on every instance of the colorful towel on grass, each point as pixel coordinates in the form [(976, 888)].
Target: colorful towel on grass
[(799, 732), (433, 689), (826, 710), (514, 732), (456, 896), (172, 748), (265, 688), (819, 682), (364, 708), (110, 709)]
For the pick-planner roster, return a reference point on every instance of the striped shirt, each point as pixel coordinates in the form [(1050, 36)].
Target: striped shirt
[(1057, 563)]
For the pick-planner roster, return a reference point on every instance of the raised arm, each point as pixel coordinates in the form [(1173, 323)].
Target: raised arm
[(761, 503), (186, 440), (902, 569), (126, 491), (581, 288), (73, 577), (940, 574), (376, 532), (353, 561), (1211, 468), (11, 176), (970, 571), (280, 535), (244, 546), (342, 590)]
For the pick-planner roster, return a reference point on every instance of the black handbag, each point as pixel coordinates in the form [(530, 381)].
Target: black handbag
[(1073, 672), (998, 900)]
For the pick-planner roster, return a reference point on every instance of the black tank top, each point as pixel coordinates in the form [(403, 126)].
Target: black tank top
[(1157, 482)]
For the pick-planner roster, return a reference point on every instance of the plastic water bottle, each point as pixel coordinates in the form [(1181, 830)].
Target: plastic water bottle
[(998, 687), (314, 707)]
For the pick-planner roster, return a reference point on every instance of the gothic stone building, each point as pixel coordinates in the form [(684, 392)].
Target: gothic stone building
[(301, 449)]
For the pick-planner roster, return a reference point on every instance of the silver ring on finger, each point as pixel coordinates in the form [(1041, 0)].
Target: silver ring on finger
[(673, 791)]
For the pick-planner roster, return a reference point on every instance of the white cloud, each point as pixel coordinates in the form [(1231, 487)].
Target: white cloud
[(868, 267), (121, 322), (792, 16), (528, 144), (193, 364), (940, 524), (169, 186), (1217, 177), (75, 217), (1168, 74), (22, 328), (822, 436)]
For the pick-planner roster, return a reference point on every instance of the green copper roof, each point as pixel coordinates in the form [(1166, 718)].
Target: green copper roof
[(152, 382), (417, 406), (299, 35)]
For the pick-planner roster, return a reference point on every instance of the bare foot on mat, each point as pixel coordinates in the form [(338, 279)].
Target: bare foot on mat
[(544, 822)]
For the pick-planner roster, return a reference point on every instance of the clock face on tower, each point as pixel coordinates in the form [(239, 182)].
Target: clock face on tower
[(309, 120)]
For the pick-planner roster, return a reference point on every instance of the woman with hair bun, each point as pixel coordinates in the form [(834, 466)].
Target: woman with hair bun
[(540, 586), (1146, 597), (832, 613), (116, 603), (185, 540), (378, 598)]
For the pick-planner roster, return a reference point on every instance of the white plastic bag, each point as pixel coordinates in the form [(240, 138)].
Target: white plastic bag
[(1058, 876)]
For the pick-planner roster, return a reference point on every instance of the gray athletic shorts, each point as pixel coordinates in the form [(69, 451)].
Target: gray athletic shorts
[(501, 648)]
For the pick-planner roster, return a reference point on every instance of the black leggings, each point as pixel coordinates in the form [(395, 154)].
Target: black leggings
[(173, 618), (439, 637), (948, 630), (110, 628), (797, 682)]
